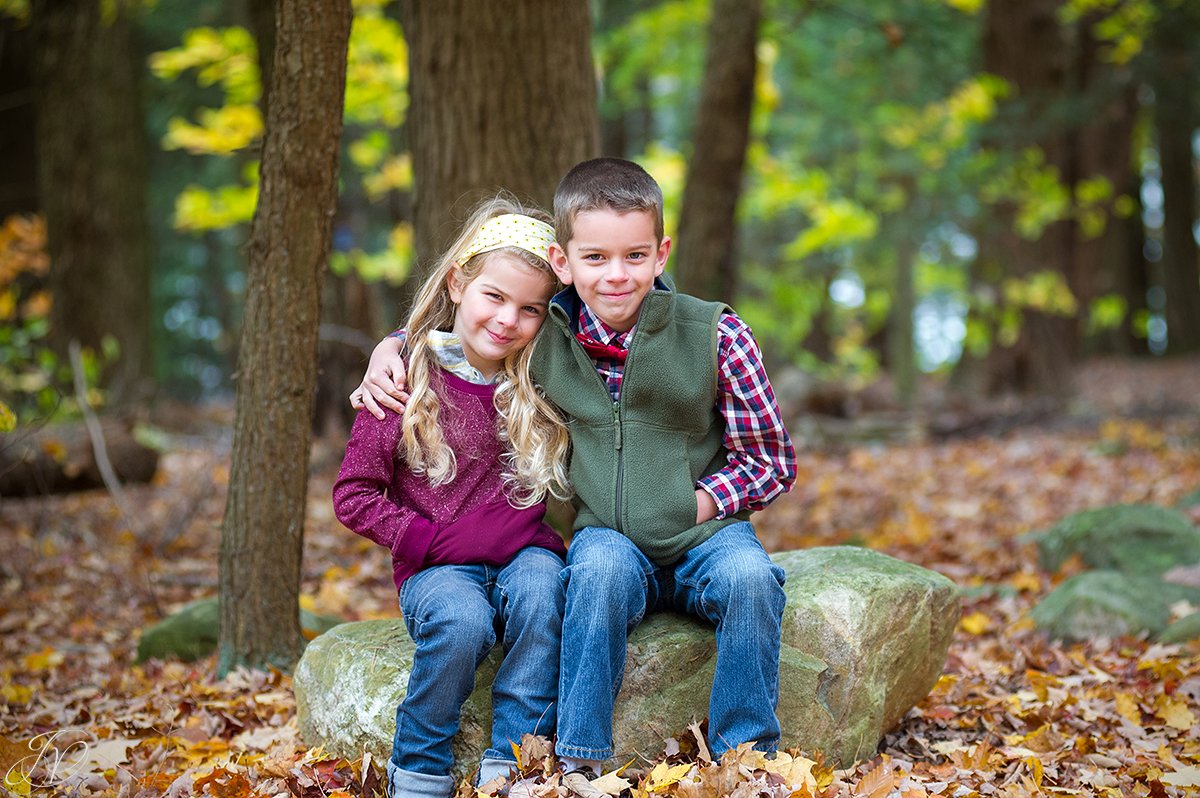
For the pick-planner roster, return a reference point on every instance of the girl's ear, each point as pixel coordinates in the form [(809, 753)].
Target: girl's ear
[(455, 285)]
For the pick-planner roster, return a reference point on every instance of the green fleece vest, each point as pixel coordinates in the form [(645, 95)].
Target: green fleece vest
[(635, 462)]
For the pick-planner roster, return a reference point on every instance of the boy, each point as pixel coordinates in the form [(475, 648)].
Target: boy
[(676, 437)]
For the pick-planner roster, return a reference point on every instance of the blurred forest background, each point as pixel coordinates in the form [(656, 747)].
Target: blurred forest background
[(989, 192)]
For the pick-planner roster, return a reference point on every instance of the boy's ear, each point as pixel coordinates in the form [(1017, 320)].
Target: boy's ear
[(660, 257), (558, 261)]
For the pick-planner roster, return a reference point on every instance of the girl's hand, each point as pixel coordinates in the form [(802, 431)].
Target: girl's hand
[(384, 383)]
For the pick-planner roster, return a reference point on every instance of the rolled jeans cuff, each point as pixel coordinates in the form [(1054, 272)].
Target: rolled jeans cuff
[(408, 784)]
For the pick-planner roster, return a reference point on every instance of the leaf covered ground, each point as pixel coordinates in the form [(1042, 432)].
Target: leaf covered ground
[(1013, 715)]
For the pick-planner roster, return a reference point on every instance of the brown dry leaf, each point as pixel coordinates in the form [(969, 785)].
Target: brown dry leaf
[(877, 783)]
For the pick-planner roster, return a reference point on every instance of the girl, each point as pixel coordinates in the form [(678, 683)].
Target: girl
[(455, 488)]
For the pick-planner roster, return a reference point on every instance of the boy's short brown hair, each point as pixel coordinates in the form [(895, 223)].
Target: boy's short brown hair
[(610, 183)]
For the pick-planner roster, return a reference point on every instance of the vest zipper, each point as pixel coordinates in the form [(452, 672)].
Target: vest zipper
[(620, 462)]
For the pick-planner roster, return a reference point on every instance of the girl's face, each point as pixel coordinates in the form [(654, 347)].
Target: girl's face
[(500, 311)]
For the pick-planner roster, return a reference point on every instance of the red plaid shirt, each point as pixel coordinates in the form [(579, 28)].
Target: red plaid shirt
[(762, 460)]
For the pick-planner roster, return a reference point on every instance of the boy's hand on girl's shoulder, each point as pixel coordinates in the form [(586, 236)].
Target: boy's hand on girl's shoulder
[(706, 506), (383, 386), (377, 396)]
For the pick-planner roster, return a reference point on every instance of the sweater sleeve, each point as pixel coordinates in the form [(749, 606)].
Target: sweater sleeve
[(360, 494)]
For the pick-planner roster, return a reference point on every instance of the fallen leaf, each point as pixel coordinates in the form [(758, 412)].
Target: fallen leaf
[(1188, 776)]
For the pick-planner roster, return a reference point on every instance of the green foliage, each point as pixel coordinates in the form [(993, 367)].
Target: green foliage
[(1107, 312), (376, 100), (15, 9), (1122, 25)]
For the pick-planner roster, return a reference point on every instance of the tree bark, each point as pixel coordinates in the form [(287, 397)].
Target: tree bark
[(1176, 119), (18, 139), (502, 96), (1023, 43), (705, 263), (92, 181), (263, 533), (260, 19)]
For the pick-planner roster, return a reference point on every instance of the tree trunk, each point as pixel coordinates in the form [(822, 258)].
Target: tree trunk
[(1023, 43), (18, 139), (502, 96), (263, 533), (705, 262), (260, 19), (92, 181), (1176, 119), (1104, 149)]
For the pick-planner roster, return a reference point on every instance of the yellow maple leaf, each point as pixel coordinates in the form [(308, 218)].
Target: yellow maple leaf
[(664, 775), (1127, 708), (17, 782), (1175, 713), (796, 771), (975, 624), (16, 694), (44, 660), (1026, 582)]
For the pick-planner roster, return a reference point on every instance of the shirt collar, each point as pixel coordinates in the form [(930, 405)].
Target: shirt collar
[(591, 325), (448, 349)]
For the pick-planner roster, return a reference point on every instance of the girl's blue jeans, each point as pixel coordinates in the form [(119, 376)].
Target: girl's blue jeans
[(455, 614), (727, 580)]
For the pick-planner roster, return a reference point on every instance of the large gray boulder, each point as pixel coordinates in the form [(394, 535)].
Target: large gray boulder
[(864, 639)]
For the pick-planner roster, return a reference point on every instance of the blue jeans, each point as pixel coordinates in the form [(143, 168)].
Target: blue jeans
[(453, 614), (727, 580)]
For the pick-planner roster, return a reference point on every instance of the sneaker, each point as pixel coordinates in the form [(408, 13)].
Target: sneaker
[(579, 783)]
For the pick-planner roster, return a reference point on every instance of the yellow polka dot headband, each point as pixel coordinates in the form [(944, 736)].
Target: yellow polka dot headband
[(510, 230)]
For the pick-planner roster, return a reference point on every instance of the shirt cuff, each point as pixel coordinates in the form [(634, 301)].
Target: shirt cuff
[(413, 545), (725, 500)]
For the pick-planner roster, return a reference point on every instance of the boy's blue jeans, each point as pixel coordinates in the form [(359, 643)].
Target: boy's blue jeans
[(727, 580), (453, 614)]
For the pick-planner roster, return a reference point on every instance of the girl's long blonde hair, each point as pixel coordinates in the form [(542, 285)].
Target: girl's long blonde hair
[(535, 465)]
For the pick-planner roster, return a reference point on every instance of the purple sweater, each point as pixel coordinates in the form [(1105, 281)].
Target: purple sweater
[(467, 520)]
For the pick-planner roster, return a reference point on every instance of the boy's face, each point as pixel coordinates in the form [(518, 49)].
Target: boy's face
[(612, 260)]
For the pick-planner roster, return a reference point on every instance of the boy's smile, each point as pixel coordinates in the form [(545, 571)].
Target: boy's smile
[(612, 260)]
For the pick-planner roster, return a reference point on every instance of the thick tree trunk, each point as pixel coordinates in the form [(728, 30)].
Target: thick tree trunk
[(1023, 43), (92, 180), (1107, 264), (260, 19), (705, 262), (263, 533), (1176, 119), (18, 139), (503, 96)]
